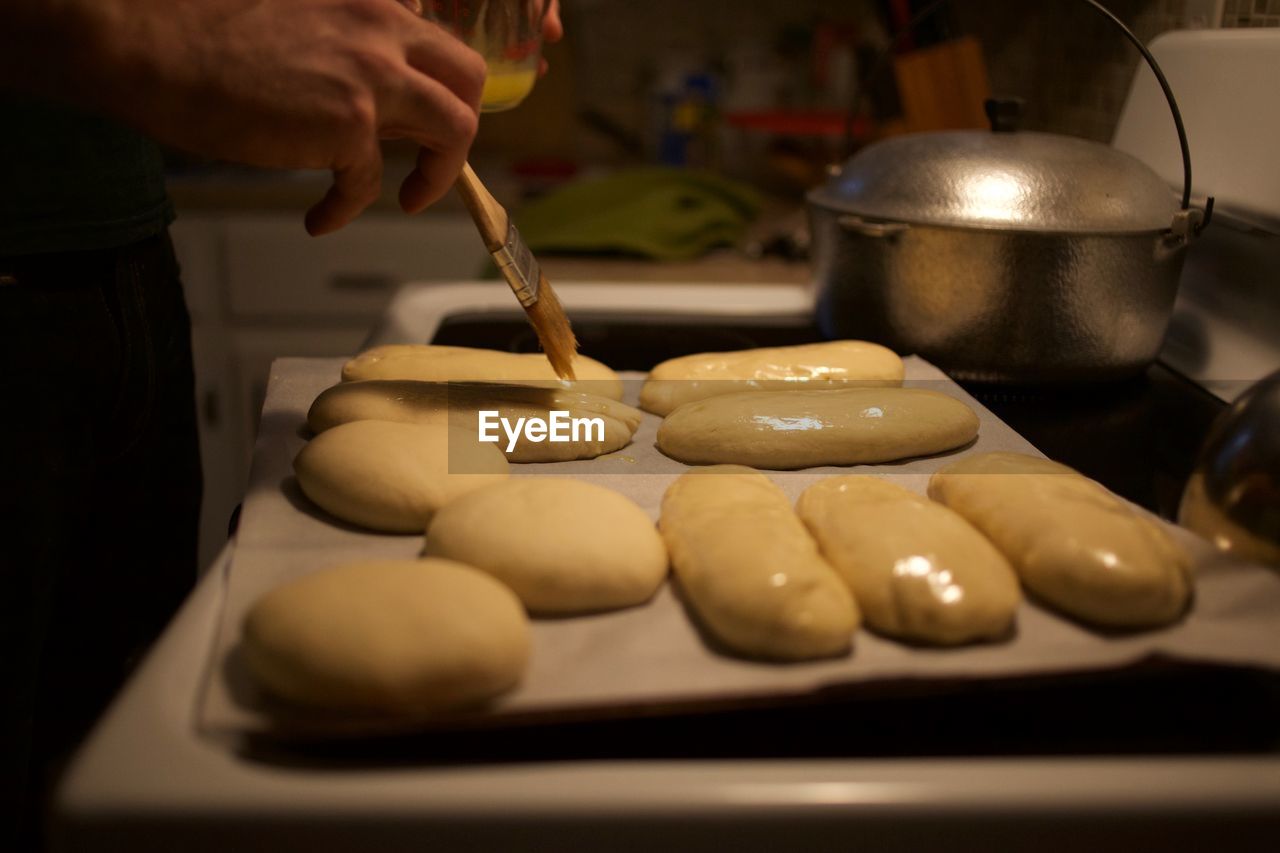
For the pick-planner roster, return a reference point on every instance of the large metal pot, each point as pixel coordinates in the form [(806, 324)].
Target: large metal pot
[(1003, 255)]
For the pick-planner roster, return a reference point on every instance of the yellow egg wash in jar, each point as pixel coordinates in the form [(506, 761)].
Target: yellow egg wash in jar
[(507, 33)]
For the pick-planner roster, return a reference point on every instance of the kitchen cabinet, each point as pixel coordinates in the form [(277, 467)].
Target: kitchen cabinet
[(258, 288)]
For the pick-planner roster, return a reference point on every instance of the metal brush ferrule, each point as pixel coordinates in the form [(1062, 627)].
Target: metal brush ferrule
[(519, 267)]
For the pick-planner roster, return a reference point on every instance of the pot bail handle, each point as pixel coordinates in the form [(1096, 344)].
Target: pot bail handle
[(1191, 223)]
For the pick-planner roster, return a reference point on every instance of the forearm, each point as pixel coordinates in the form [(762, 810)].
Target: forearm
[(297, 84)]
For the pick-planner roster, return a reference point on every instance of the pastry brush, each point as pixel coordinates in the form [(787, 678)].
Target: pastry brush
[(520, 268)]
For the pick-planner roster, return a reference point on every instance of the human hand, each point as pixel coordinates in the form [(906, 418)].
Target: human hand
[(303, 84), (415, 192), (552, 30)]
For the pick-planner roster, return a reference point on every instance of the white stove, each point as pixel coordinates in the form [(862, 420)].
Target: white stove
[(761, 781)]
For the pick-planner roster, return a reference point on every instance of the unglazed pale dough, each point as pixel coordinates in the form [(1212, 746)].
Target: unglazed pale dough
[(1074, 545), (392, 476), (813, 366), (563, 546), (459, 404), (802, 429), (918, 571), (435, 363), (750, 570), (390, 635)]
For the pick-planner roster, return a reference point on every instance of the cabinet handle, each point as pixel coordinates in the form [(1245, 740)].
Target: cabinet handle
[(212, 408), (361, 281)]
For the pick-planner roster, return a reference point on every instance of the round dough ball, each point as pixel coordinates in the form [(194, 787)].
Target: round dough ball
[(388, 635), (563, 546), (394, 476)]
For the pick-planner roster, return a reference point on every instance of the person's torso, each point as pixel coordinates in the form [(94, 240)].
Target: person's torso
[(73, 182)]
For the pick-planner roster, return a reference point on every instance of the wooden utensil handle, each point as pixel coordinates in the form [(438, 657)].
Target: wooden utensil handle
[(489, 216)]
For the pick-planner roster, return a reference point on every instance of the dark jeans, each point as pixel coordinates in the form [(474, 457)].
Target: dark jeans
[(99, 495)]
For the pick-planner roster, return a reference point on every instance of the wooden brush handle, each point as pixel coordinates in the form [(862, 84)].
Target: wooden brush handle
[(489, 216)]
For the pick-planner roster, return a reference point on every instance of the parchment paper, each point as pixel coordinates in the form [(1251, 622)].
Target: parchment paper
[(652, 658)]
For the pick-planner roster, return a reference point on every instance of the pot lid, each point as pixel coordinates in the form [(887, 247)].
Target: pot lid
[(1017, 181)]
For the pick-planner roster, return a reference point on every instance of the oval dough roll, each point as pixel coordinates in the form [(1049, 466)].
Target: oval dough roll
[(813, 366), (1075, 545), (435, 363), (391, 476), (563, 546), (918, 571), (803, 429), (388, 635), (749, 569), (459, 404)]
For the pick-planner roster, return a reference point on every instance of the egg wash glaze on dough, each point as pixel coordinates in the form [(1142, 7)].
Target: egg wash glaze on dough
[(559, 426)]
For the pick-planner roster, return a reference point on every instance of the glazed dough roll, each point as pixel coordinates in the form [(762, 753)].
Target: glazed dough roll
[(459, 404), (434, 363), (749, 569), (388, 635), (918, 571), (813, 366), (1075, 545), (393, 477), (802, 429)]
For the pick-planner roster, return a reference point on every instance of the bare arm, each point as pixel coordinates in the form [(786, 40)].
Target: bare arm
[(275, 83)]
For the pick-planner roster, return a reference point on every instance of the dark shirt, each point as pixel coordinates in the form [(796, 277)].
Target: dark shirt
[(71, 181)]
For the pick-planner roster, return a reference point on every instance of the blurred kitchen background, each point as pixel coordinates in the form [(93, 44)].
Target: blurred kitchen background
[(756, 92)]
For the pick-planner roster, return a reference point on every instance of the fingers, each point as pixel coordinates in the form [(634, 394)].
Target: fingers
[(434, 117), (440, 56), (356, 185), (434, 100), (552, 28), (552, 31), (425, 185)]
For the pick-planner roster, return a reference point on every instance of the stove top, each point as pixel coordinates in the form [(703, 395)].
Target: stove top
[(1138, 437)]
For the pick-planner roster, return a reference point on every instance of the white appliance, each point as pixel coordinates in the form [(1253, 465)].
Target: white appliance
[(147, 781), (1225, 331)]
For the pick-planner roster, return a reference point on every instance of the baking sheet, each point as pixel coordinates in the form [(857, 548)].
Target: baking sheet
[(651, 658)]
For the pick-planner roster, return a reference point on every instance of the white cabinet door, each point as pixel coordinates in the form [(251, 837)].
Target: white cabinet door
[(223, 451), (275, 271), (255, 349), (200, 244)]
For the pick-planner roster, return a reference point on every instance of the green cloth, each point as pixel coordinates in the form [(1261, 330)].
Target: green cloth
[(71, 181), (661, 213)]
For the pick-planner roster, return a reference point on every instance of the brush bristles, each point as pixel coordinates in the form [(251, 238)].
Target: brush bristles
[(555, 336)]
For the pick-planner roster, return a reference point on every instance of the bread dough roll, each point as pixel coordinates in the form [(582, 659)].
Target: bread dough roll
[(812, 366), (918, 571), (1075, 545), (563, 546), (459, 404), (802, 429), (434, 363), (391, 476), (388, 635), (750, 570)]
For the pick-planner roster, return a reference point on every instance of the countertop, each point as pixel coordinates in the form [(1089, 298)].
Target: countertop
[(231, 191)]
